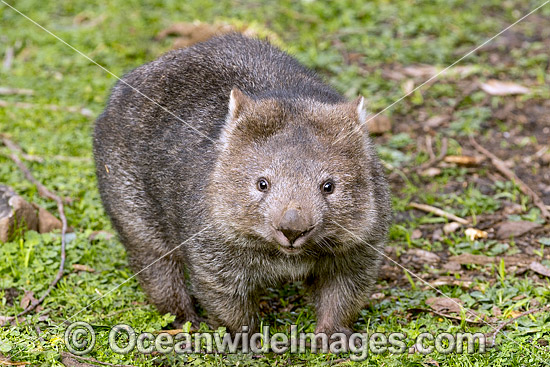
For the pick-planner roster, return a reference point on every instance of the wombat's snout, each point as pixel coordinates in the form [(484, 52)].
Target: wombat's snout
[(293, 225)]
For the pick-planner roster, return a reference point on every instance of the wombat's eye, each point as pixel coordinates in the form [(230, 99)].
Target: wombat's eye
[(262, 184), (328, 187)]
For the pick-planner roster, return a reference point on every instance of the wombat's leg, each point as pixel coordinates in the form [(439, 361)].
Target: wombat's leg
[(163, 280), (228, 306), (338, 300)]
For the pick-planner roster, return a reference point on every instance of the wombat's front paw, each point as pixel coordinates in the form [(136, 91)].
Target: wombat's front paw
[(335, 334), (181, 320)]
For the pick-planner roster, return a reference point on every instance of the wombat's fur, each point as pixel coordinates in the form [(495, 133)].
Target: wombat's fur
[(253, 175)]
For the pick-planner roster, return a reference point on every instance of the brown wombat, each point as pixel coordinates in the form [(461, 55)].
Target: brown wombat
[(246, 171)]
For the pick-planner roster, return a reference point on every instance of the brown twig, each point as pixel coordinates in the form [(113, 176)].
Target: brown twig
[(44, 192), (504, 324), (433, 160), (438, 212), (69, 357), (508, 173)]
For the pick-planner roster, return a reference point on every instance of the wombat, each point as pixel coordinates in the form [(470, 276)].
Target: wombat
[(226, 168)]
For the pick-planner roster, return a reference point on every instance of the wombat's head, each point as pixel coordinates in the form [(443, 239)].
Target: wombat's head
[(298, 175)]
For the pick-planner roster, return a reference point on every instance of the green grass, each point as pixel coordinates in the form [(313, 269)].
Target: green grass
[(381, 36)]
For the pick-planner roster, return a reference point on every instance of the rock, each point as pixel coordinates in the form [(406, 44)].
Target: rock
[(15, 213), (47, 222), (506, 230)]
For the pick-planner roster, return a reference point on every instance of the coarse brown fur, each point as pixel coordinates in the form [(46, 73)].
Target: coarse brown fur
[(183, 190)]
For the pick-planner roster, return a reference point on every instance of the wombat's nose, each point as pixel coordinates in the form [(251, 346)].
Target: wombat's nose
[(293, 224)]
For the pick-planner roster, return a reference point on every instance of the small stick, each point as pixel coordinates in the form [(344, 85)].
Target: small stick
[(504, 324), (44, 192), (38, 333), (501, 166), (438, 212), (434, 160), (8, 90), (52, 107), (429, 147)]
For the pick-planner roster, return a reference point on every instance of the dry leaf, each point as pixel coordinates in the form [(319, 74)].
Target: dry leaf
[(378, 125), (27, 299), (539, 269), (514, 314), (436, 121), (420, 70), (451, 227), (445, 304), (474, 234), (431, 172), (506, 230), (416, 234), (472, 259), (80, 267), (500, 88), (408, 86), (422, 256)]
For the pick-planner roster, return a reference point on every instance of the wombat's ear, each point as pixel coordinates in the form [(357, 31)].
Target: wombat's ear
[(237, 102), (358, 106)]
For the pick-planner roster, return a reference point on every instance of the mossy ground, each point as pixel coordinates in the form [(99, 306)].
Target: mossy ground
[(359, 47)]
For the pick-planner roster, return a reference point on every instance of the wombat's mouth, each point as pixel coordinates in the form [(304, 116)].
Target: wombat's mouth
[(290, 250), (297, 244)]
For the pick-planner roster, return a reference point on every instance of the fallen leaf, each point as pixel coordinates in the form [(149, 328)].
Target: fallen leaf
[(378, 125), (80, 267), (436, 121), (514, 314), (539, 269), (506, 230), (416, 234), (431, 172), (496, 311), (500, 88), (451, 266), (451, 227), (445, 304), (421, 256), (408, 86), (377, 296), (472, 259), (27, 299), (474, 234), (420, 70)]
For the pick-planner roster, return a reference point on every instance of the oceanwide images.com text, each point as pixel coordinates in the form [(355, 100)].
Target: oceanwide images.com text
[(80, 339)]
